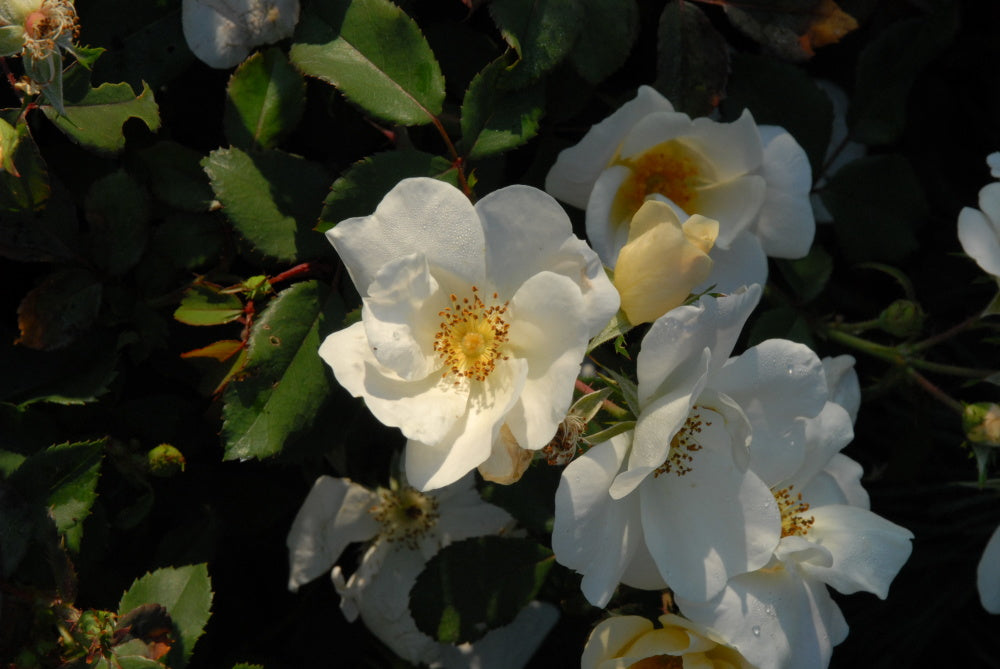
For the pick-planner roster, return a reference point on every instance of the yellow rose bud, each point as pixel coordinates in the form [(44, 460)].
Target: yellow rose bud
[(662, 261), (982, 423)]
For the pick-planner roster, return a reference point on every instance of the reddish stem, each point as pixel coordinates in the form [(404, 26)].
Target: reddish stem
[(300, 271)]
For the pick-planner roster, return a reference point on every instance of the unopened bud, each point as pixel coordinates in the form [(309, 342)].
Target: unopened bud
[(902, 318), (165, 461), (981, 422)]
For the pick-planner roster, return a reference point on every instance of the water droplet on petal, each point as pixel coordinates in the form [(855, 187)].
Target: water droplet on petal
[(756, 630), (769, 610)]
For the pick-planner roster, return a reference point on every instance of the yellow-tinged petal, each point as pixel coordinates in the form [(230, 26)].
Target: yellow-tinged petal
[(662, 261)]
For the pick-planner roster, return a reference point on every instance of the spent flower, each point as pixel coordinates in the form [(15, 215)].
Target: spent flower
[(221, 33)]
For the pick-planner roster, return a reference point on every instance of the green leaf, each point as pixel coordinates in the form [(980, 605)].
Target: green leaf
[(606, 37), (284, 381), (876, 203), (94, 116), (887, 68), (264, 100), (118, 212), (48, 234), (272, 199), (203, 304), (77, 374), (495, 118), (808, 276), (617, 326), (692, 61), (9, 138), (175, 176), (780, 323), (363, 185), (59, 309), (374, 54), (11, 40), (628, 389), (64, 479), (791, 29), (778, 93), (186, 594), (24, 181), (542, 32), (455, 603), (188, 241)]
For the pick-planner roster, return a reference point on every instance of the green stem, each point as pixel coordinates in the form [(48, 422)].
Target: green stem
[(936, 392), (902, 358), (607, 405), (456, 159), (947, 334)]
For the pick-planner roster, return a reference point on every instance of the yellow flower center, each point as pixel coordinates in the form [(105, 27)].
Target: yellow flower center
[(670, 169), (793, 523), (684, 445), (405, 515), (471, 336), (54, 23), (659, 662)]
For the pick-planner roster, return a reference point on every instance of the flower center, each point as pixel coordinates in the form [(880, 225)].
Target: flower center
[(471, 336), (54, 23), (659, 662), (793, 523), (405, 515), (684, 445), (670, 169)]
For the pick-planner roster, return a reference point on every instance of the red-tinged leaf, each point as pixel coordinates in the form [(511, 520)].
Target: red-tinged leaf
[(792, 29), (59, 309), (220, 350)]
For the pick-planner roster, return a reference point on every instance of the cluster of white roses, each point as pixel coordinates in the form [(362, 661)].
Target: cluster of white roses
[(730, 489)]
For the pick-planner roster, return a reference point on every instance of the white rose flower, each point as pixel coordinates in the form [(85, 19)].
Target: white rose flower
[(754, 180), (674, 503), (632, 641), (979, 229), (221, 33), (406, 528), (782, 615), (474, 318), (988, 574)]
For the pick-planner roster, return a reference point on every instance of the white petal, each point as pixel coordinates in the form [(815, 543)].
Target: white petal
[(868, 550), (847, 474), (425, 410), (785, 225), (742, 264), (465, 514), (710, 523), (419, 215), (993, 162), (988, 573), (734, 204), (401, 317), (507, 647), (576, 169), (468, 443), (333, 515), (712, 323), (546, 331), (775, 383), (611, 637), (842, 381), (594, 534), (825, 436), (775, 618), (527, 232), (980, 239), (734, 149), (606, 229), (655, 129), (214, 33)]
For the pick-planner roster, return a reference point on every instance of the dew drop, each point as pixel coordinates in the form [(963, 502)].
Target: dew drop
[(756, 630), (769, 610)]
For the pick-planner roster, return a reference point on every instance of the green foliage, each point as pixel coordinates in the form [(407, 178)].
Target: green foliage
[(606, 38), (375, 55), (204, 304), (541, 32), (118, 212), (24, 181), (264, 101), (496, 119), (272, 199), (284, 382), (186, 594), (363, 185), (175, 176), (59, 309), (455, 604), (692, 59), (808, 276)]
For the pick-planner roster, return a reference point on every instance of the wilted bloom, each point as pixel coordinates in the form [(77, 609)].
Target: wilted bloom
[(988, 574), (221, 33), (631, 641), (673, 503), (979, 229), (473, 318), (39, 31), (662, 261), (754, 180), (782, 614), (406, 529)]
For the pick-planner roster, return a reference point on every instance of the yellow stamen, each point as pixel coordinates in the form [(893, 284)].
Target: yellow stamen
[(670, 169), (471, 337), (791, 507), (405, 515), (683, 446)]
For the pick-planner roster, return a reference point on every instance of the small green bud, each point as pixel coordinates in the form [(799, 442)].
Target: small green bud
[(165, 461), (981, 422), (256, 287), (902, 318)]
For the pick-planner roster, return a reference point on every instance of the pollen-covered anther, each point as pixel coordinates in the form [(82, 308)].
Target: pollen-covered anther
[(669, 169), (471, 336), (683, 446), (53, 24), (405, 515), (793, 523)]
